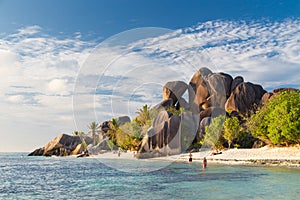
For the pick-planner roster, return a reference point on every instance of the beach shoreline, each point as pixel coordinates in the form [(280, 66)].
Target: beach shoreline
[(265, 156)]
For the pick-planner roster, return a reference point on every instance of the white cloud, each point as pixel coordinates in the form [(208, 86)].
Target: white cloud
[(263, 52), (58, 86), (27, 31), (16, 99), (38, 71)]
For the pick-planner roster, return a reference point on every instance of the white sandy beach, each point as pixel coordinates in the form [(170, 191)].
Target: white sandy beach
[(283, 156), (273, 156)]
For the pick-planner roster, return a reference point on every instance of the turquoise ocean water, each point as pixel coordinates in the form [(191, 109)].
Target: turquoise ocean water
[(23, 177)]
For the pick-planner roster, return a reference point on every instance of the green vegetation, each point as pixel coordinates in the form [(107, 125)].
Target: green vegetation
[(93, 129), (129, 135), (232, 128), (278, 122), (144, 116), (227, 130), (174, 111), (112, 131), (214, 133), (78, 133), (110, 144), (84, 144), (244, 139)]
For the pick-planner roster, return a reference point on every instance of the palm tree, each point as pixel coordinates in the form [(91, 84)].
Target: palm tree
[(113, 127), (93, 129), (143, 115)]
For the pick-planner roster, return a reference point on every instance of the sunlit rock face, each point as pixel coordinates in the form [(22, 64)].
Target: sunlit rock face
[(181, 117), (209, 95), (62, 145)]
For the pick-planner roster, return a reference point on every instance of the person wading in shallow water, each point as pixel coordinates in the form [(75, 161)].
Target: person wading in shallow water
[(190, 159), (204, 164)]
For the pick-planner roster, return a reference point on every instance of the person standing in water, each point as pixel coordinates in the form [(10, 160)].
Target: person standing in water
[(204, 164), (190, 159)]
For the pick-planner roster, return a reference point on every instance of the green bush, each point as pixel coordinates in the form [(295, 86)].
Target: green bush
[(128, 136), (214, 133), (232, 128), (278, 122), (244, 140), (174, 111)]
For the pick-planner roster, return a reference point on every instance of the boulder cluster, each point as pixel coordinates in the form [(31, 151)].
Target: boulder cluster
[(206, 96), (62, 145), (66, 145)]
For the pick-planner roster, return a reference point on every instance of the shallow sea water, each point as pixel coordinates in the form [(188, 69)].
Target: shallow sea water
[(23, 177)]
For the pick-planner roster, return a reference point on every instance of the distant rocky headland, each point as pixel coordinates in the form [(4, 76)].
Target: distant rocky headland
[(178, 123)]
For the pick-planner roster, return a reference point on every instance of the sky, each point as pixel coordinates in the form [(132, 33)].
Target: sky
[(66, 63)]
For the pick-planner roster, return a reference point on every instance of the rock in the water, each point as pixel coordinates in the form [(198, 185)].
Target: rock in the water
[(78, 150), (37, 152), (62, 145)]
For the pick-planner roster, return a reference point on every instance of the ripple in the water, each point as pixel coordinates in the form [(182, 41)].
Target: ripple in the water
[(67, 178)]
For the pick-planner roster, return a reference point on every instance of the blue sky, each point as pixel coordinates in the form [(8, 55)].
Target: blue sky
[(44, 44), (108, 17)]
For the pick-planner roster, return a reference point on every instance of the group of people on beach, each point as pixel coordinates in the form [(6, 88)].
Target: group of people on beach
[(204, 163)]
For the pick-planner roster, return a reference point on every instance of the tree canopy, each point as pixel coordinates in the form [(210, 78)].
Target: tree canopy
[(278, 121)]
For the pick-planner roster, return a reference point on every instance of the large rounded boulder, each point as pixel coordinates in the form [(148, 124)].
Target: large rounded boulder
[(244, 98), (227, 81), (236, 81), (200, 86), (174, 90), (173, 136), (219, 87), (62, 145)]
